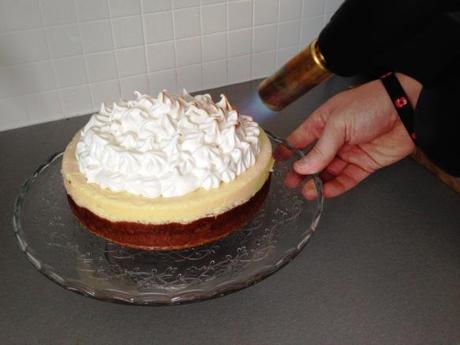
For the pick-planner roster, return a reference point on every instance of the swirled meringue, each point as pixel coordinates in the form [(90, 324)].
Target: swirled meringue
[(166, 146)]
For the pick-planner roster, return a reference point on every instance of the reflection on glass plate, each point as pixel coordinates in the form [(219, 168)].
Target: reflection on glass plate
[(59, 247)]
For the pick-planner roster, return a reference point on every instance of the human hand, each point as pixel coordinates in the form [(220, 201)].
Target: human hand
[(357, 131)]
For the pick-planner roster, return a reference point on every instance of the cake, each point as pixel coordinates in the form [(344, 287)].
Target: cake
[(168, 172)]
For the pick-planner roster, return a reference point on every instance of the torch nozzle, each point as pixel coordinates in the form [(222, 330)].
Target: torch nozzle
[(300, 74)]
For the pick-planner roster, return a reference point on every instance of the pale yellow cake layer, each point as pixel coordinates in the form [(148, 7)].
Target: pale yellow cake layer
[(122, 206)]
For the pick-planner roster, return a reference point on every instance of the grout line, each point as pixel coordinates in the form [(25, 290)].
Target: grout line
[(174, 46), (51, 58), (251, 75), (93, 105), (277, 33), (253, 37), (114, 49), (299, 40), (91, 21), (53, 65), (227, 39), (324, 14), (202, 49), (227, 30), (290, 20), (50, 27), (118, 79), (147, 64), (89, 84), (12, 32)]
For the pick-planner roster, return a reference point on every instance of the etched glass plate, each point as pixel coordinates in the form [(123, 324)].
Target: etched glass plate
[(64, 251)]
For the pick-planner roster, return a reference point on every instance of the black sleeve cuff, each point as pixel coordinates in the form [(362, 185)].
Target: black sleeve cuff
[(431, 53), (417, 38), (437, 124), (362, 31)]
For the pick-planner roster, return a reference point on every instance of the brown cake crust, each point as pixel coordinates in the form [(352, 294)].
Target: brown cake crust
[(172, 235)]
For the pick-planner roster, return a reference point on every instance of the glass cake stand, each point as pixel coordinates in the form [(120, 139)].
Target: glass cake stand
[(59, 247)]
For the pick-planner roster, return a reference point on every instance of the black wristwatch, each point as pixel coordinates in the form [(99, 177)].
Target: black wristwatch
[(400, 101)]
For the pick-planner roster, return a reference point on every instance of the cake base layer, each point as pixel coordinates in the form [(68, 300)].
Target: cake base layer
[(172, 235)]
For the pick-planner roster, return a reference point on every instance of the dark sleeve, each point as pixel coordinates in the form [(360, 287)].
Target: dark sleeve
[(431, 54), (437, 123), (362, 32), (437, 114)]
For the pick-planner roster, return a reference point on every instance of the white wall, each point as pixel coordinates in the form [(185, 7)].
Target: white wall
[(61, 58)]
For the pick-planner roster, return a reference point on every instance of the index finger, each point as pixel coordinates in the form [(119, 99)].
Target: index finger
[(310, 130)]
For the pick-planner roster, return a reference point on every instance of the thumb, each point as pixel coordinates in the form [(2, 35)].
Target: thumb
[(325, 150)]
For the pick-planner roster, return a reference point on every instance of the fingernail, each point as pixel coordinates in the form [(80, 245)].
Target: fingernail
[(309, 192)]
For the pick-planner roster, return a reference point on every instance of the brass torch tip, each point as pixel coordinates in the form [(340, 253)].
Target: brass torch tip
[(266, 90), (304, 71), (317, 56)]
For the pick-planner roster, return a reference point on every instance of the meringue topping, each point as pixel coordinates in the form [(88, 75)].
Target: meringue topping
[(167, 146)]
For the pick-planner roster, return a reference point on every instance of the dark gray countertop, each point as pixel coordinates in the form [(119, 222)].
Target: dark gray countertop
[(383, 267)]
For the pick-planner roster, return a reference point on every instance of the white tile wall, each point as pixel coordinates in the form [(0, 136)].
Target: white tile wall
[(156, 5), (71, 71), (92, 9), (96, 36), (239, 42), (190, 77), (187, 22), (23, 46), (239, 69), (158, 27), (106, 91), (119, 8), (165, 79), (265, 38), (102, 66), (214, 74), (288, 34), (57, 12), (188, 51), (240, 14), (139, 83), (64, 41), (61, 58), (214, 47), (290, 9), (131, 61), (161, 56), (266, 11), (127, 32), (214, 18), (20, 14), (263, 63)]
